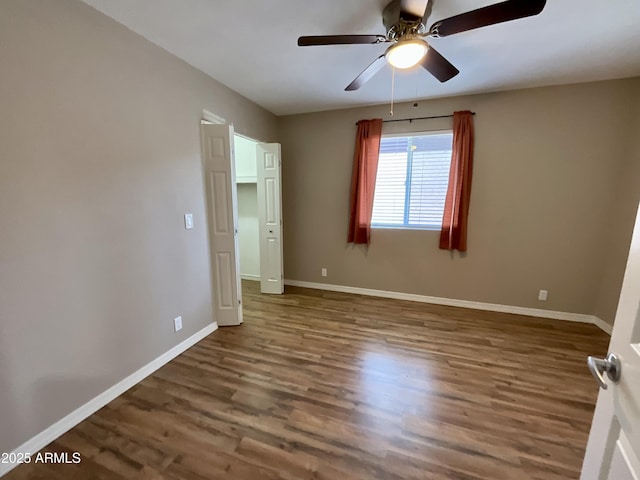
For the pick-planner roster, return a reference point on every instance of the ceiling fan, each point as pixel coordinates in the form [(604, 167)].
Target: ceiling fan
[(405, 21)]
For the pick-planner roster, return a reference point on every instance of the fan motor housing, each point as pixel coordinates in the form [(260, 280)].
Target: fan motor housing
[(396, 25)]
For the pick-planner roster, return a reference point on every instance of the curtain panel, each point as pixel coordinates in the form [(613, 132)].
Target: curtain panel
[(453, 235), (363, 180)]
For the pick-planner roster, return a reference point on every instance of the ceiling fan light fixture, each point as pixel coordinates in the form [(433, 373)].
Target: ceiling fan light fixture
[(406, 53)]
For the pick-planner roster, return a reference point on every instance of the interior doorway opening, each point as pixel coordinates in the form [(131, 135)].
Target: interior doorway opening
[(244, 208)]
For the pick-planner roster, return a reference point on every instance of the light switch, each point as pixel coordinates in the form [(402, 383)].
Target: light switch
[(188, 221)]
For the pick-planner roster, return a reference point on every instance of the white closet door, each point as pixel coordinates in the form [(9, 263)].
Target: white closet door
[(222, 212), (270, 218)]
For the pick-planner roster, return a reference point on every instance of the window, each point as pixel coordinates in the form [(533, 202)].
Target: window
[(412, 179)]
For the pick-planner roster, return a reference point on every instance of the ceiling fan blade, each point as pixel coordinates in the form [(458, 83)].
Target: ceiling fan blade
[(490, 15), (413, 10), (367, 73), (340, 40), (438, 66)]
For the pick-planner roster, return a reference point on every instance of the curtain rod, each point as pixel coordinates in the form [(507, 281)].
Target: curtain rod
[(418, 118)]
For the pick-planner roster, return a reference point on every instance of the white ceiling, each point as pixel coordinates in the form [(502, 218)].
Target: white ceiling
[(250, 46)]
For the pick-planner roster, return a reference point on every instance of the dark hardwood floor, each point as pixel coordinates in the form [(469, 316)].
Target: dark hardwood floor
[(320, 385)]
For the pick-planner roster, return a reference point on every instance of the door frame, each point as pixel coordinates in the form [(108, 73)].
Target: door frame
[(208, 116)]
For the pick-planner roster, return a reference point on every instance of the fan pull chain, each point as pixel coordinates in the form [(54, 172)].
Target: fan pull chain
[(393, 81)]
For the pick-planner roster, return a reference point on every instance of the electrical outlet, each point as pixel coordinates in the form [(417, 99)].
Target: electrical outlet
[(543, 295), (177, 323), (324, 272)]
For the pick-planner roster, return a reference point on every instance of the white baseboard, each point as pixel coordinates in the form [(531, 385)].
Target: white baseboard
[(248, 276), (47, 436), (452, 302), (602, 325)]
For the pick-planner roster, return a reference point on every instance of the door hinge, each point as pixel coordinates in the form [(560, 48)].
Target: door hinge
[(239, 302)]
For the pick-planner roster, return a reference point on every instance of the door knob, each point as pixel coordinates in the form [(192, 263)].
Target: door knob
[(610, 365)]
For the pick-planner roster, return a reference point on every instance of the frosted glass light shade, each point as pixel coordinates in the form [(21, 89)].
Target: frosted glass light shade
[(406, 53)]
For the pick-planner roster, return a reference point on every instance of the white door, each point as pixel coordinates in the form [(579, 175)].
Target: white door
[(613, 451), (270, 218), (222, 213)]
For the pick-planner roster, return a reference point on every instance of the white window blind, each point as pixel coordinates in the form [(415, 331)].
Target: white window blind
[(412, 180)]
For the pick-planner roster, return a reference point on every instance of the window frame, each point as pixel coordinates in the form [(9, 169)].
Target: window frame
[(407, 191)]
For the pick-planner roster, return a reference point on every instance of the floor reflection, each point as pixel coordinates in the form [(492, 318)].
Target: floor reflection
[(393, 382)]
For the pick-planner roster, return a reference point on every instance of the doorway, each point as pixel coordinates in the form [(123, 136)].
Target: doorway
[(244, 209), (259, 193)]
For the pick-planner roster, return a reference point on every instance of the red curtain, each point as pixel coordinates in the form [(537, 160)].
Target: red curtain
[(456, 210), (363, 179)]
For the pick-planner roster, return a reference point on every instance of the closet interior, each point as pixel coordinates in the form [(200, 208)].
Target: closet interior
[(247, 189)]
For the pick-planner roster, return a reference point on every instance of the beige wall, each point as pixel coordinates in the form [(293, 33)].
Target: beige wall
[(99, 160), (620, 224), (547, 167)]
